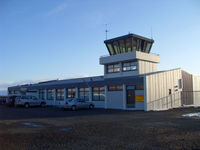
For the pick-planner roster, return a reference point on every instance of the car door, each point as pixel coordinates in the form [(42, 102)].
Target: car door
[(36, 101), (80, 103), (85, 104), (29, 100)]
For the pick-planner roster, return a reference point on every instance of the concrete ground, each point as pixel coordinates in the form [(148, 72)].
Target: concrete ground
[(56, 129)]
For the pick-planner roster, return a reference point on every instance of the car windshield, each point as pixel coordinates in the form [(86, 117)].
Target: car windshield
[(69, 99)]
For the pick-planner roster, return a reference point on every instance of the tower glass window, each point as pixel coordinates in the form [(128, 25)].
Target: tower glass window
[(128, 44), (116, 47), (110, 48), (122, 46)]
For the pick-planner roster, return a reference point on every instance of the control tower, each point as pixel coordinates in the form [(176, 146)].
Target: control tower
[(129, 55)]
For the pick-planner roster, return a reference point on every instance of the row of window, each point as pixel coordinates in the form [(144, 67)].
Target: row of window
[(120, 88), (128, 66), (98, 93), (13, 92), (128, 45)]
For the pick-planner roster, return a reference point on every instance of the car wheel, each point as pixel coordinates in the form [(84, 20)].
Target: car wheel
[(42, 104), (73, 107), (91, 106), (26, 105)]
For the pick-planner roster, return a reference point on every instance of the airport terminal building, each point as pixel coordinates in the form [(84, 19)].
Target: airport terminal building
[(130, 81)]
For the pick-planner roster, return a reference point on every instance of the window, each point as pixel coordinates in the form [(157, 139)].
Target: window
[(129, 66), (113, 68), (134, 45), (41, 94), (50, 94), (115, 88), (71, 92), (110, 48), (180, 83), (16, 92), (59, 94), (128, 45), (84, 93), (122, 46), (98, 94), (148, 47), (116, 47)]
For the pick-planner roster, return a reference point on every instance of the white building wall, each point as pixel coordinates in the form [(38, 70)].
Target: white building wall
[(139, 105), (196, 90), (146, 67), (115, 99), (99, 104), (157, 90)]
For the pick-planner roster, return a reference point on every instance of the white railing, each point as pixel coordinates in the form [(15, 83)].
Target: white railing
[(178, 99)]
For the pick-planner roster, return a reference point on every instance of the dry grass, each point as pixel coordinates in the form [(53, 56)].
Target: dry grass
[(128, 130)]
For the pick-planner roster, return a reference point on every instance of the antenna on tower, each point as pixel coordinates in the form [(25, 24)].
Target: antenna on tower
[(151, 33), (106, 31)]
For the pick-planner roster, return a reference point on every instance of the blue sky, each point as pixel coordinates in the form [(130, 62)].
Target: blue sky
[(50, 39)]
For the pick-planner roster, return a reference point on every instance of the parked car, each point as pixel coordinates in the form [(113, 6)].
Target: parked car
[(77, 103), (28, 101), (11, 100), (3, 99)]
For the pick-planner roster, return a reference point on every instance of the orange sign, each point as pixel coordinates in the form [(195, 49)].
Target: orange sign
[(139, 98)]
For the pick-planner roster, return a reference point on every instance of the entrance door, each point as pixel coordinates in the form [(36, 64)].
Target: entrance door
[(130, 96)]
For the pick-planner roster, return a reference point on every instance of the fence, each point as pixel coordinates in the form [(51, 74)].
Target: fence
[(178, 99)]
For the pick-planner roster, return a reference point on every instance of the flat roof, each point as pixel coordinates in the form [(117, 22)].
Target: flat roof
[(128, 36)]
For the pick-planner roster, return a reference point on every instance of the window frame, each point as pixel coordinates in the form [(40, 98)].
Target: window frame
[(51, 93), (99, 91), (60, 94), (85, 93), (115, 88), (71, 93), (129, 65), (114, 67), (41, 94)]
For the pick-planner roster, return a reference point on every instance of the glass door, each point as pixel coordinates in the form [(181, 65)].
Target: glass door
[(130, 96)]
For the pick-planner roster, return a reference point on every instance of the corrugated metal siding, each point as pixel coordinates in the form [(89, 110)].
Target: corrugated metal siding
[(196, 83), (187, 96), (196, 89), (146, 67), (158, 84)]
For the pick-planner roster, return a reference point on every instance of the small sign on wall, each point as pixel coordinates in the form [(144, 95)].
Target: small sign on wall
[(139, 98)]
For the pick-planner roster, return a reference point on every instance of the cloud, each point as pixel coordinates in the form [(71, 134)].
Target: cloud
[(4, 85), (57, 9)]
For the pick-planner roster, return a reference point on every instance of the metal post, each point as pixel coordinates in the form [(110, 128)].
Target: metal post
[(90, 94), (124, 96), (106, 93)]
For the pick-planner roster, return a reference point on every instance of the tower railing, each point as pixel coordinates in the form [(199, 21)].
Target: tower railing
[(128, 52)]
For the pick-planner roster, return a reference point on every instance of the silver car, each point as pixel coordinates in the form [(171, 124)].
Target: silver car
[(77, 103), (28, 101)]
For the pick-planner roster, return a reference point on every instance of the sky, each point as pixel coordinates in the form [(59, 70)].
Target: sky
[(58, 39)]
